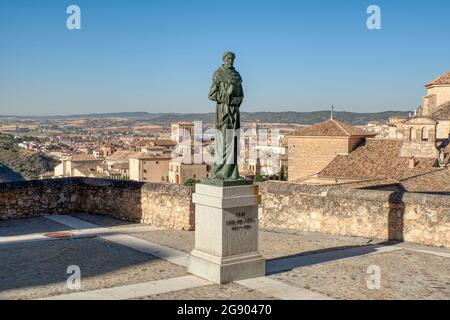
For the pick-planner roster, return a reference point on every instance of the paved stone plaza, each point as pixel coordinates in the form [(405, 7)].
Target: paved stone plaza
[(121, 260)]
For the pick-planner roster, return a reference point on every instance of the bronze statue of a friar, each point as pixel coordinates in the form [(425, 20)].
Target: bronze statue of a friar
[(226, 91)]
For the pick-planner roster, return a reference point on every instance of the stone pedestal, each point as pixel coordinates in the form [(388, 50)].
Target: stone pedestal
[(226, 233)]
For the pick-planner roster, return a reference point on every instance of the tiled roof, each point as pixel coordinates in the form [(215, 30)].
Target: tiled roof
[(149, 156), (370, 183), (122, 155), (83, 157), (155, 148), (142, 143), (109, 145), (332, 128), (121, 166), (85, 170), (183, 123), (441, 80), (156, 142), (376, 159), (442, 112), (164, 142), (437, 181)]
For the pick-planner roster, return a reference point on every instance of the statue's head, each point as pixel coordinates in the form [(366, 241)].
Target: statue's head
[(228, 58)]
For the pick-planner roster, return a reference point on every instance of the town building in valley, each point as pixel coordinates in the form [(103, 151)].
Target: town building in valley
[(147, 167)]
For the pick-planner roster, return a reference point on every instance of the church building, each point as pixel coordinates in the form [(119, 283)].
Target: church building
[(415, 157)]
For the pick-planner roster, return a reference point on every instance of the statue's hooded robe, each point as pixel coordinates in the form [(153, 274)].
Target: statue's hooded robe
[(227, 91)]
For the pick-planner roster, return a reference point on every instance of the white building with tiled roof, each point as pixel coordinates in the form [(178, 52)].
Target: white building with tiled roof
[(149, 167), (68, 164)]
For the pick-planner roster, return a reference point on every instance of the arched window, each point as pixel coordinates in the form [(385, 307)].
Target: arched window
[(424, 134)]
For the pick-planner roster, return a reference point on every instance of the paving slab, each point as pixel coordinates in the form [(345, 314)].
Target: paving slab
[(404, 275)]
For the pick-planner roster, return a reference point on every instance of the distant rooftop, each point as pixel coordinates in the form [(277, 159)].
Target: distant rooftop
[(121, 155), (83, 157), (332, 128), (183, 123), (149, 156), (163, 142)]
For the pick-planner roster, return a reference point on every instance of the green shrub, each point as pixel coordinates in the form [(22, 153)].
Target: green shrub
[(191, 182)]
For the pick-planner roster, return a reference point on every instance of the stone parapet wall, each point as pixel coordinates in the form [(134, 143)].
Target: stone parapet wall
[(385, 215), (418, 218), (39, 197), (168, 205), (159, 204)]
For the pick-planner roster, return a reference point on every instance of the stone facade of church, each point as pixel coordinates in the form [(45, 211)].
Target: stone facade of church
[(436, 104)]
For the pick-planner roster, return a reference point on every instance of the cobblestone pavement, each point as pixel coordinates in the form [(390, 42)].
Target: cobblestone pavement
[(404, 275), (273, 244), (19, 227), (38, 269), (103, 221)]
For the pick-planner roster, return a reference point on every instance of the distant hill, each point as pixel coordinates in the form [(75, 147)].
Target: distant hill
[(89, 116), (18, 164), (304, 118)]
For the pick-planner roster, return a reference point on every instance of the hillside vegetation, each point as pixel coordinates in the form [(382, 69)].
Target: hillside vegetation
[(17, 164)]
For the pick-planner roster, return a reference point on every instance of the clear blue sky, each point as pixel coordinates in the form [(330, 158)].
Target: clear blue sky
[(159, 56)]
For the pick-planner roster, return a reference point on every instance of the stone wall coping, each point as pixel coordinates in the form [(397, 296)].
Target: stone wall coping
[(283, 188), (11, 186), (280, 188), (81, 181)]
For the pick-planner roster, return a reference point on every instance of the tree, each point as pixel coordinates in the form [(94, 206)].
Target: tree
[(191, 182), (281, 174), (260, 178)]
